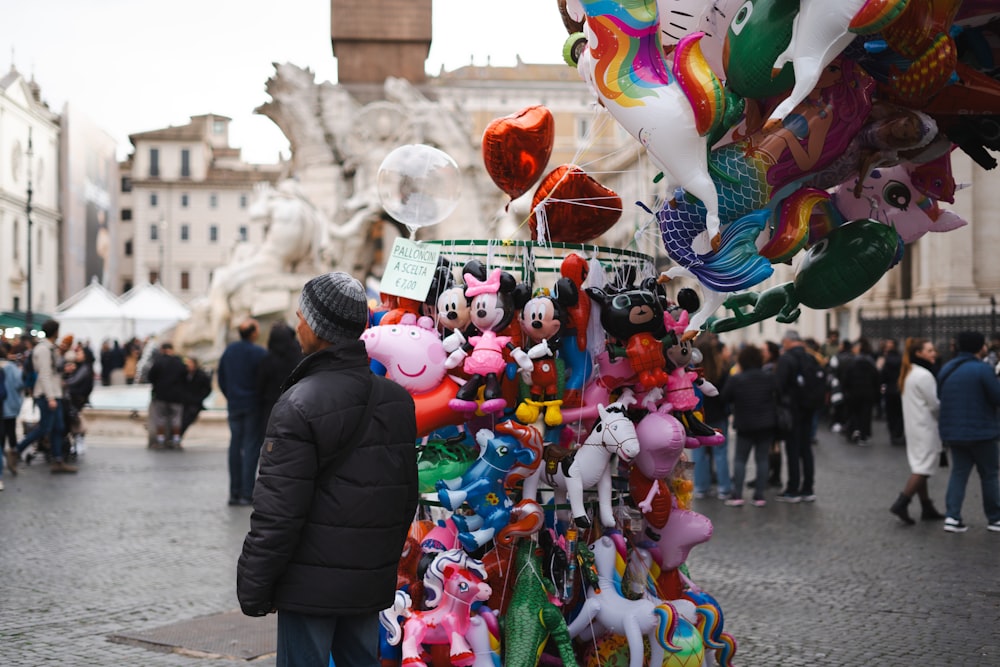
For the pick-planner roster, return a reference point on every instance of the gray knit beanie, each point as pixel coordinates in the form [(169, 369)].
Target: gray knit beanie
[(334, 305)]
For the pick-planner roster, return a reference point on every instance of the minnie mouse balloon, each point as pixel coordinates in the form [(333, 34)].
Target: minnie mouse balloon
[(516, 149), (576, 208), (419, 185)]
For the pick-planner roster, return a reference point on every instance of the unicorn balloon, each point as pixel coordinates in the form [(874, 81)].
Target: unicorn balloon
[(668, 112)]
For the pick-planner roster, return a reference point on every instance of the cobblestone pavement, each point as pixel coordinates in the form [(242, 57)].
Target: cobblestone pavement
[(140, 539)]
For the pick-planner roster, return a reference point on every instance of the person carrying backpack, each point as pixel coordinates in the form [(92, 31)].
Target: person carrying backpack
[(796, 375)]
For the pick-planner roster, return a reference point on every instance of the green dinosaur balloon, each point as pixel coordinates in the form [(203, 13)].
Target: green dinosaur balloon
[(840, 268), (531, 616), (759, 32), (846, 264)]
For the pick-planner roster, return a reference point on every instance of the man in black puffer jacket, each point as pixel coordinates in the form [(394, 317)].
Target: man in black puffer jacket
[(336, 491)]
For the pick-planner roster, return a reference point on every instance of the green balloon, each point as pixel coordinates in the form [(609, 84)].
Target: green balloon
[(846, 264), (759, 32)]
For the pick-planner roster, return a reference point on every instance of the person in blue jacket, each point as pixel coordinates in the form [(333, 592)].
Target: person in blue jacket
[(238, 383), (970, 393)]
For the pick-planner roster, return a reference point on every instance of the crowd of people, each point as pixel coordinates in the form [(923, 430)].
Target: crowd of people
[(47, 383), (776, 396)]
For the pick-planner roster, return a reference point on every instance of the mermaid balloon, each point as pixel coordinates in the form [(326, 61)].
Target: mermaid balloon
[(758, 172)]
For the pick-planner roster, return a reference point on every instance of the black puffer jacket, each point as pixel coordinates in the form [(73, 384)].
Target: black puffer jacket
[(752, 396), (332, 546)]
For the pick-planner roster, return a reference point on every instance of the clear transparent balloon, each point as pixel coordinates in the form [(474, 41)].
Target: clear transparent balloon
[(419, 185)]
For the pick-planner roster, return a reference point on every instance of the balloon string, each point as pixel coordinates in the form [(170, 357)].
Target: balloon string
[(601, 118)]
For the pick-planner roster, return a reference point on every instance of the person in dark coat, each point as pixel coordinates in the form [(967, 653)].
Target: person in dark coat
[(238, 383), (167, 406), (862, 388), (336, 492), (798, 442), (890, 364), (197, 387), (751, 396), (283, 355)]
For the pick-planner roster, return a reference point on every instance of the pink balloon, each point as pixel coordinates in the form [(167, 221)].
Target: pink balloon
[(890, 196)]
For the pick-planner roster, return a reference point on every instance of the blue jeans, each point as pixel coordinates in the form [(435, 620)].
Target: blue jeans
[(985, 456), (50, 423), (309, 641), (720, 455), (760, 442), (245, 439)]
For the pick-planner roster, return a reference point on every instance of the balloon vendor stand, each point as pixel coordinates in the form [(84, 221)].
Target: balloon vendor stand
[(555, 489)]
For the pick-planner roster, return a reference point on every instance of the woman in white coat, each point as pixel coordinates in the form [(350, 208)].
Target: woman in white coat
[(920, 424)]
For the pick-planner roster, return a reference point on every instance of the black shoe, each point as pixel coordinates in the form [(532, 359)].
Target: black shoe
[(901, 508), (788, 498), (929, 513)]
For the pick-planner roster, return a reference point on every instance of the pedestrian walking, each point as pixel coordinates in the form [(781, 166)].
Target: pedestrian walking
[(283, 355), (167, 377), (890, 367), (130, 366), (795, 373), (771, 351), (715, 368), (47, 392), (238, 383), (836, 371), (78, 383), (11, 400), (331, 513), (920, 406), (751, 395), (970, 393), (862, 387), (197, 387)]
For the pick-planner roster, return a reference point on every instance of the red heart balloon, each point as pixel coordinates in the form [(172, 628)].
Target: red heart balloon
[(577, 208), (516, 148)]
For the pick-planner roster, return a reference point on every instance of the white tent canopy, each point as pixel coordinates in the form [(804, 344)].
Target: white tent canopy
[(93, 314), (151, 309)]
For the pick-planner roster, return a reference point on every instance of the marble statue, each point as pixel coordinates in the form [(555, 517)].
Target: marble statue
[(327, 214)]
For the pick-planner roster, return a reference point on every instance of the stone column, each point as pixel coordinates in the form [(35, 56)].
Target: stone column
[(948, 260)]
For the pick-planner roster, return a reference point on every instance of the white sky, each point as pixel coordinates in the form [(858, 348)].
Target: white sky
[(138, 65)]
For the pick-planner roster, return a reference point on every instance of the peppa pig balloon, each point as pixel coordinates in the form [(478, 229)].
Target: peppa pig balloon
[(414, 357)]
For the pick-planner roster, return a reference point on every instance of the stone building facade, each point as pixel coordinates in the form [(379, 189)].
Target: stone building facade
[(29, 157), (184, 199)]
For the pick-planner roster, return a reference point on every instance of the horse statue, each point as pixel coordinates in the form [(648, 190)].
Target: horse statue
[(261, 279), (532, 616), (453, 583), (589, 465), (670, 113), (607, 610)]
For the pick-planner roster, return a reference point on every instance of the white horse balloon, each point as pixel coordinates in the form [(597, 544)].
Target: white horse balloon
[(589, 466)]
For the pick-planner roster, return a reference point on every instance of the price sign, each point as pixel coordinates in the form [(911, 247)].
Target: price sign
[(410, 269)]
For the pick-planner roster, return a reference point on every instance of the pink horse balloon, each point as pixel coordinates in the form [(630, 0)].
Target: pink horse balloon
[(667, 112)]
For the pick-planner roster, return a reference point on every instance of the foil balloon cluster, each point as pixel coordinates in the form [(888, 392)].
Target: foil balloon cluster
[(816, 114)]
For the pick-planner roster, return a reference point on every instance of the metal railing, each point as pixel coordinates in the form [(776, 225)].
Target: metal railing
[(939, 324)]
